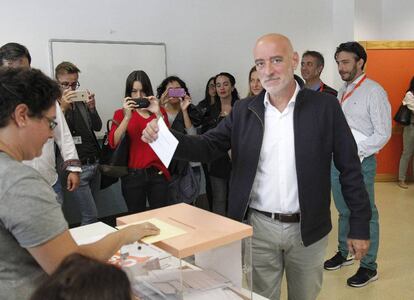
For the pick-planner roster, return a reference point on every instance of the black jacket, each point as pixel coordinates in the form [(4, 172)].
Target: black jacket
[(321, 133)]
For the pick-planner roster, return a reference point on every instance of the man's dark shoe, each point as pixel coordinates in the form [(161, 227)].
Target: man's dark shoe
[(337, 261), (362, 277)]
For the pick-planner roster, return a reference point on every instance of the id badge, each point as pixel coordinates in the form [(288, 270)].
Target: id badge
[(77, 140)]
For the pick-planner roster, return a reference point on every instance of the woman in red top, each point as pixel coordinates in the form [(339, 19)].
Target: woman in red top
[(148, 177)]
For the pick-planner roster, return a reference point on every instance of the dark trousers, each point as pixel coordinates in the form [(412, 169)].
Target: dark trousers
[(209, 192), (142, 184)]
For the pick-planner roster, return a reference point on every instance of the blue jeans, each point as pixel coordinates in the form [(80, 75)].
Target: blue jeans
[(83, 194), (369, 167), (57, 187)]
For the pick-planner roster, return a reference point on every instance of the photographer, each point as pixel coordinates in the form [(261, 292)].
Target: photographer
[(83, 119), (147, 176), (183, 117)]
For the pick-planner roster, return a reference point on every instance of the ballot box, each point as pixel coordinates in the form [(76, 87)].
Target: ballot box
[(206, 256)]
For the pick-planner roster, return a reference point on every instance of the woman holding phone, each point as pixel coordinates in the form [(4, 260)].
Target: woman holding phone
[(183, 117), (147, 176)]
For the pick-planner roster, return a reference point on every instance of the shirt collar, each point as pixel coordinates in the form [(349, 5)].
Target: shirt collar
[(291, 101), (356, 80)]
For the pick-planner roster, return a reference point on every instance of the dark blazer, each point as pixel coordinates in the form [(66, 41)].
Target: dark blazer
[(327, 89), (321, 133)]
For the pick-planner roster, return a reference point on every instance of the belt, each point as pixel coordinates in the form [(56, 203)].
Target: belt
[(89, 160), (284, 218), (148, 171)]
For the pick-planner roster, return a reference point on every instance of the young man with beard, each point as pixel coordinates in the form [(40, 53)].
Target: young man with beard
[(368, 113)]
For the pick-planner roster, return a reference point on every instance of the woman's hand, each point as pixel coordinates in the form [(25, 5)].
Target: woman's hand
[(154, 106), (128, 106), (185, 103), (164, 98), (136, 232)]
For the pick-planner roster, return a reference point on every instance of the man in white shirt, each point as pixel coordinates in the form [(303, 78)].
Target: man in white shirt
[(15, 55), (282, 142), (368, 113)]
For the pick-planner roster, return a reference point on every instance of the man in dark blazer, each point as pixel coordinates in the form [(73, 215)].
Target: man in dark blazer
[(282, 143)]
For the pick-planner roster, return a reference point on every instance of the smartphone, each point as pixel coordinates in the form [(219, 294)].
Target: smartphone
[(176, 92), (80, 96), (141, 102)]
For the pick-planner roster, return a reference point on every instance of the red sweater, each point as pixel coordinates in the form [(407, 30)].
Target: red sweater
[(141, 155)]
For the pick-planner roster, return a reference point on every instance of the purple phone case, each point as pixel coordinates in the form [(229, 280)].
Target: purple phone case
[(176, 92)]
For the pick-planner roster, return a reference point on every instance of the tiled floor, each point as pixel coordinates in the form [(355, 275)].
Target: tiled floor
[(395, 257)]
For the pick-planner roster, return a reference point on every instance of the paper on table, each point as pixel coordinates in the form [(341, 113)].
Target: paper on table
[(166, 230), (358, 137), (166, 143)]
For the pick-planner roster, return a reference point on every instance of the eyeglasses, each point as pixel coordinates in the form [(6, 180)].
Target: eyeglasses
[(52, 123), (73, 85)]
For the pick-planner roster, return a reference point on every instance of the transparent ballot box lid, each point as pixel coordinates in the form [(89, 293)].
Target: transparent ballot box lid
[(203, 256)]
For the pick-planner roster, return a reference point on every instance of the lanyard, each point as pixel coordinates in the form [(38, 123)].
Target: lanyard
[(320, 87), (347, 95)]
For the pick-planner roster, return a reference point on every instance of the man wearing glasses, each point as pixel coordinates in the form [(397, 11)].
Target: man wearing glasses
[(15, 55), (83, 119)]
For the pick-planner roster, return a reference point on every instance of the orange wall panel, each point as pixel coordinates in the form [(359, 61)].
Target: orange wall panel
[(393, 69)]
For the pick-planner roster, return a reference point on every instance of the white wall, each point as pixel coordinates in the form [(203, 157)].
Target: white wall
[(368, 20), (202, 37), (384, 20), (398, 20)]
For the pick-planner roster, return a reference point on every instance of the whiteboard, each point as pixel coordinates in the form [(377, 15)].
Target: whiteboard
[(105, 66)]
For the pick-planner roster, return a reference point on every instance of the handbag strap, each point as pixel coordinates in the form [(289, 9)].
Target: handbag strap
[(109, 122), (113, 121)]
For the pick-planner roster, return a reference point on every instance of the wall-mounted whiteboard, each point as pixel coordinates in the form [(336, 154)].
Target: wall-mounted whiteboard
[(105, 66)]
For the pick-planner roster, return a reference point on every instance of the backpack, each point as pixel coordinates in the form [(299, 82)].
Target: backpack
[(184, 187)]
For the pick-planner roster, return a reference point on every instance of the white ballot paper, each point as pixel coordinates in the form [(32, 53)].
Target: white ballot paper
[(166, 143)]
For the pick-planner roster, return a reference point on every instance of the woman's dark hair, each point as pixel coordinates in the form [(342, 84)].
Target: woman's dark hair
[(253, 69), (161, 88), (27, 86), (355, 48), (13, 51), (142, 77), (82, 278), (234, 94), (411, 87), (207, 95)]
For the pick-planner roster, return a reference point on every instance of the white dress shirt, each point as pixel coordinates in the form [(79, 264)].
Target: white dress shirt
[(45, 164), (275, 188), (367, 111)]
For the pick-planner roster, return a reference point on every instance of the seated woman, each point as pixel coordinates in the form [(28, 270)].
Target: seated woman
[(34, 236), (82, 278), (148, 177), (255, 86), (183, 117)]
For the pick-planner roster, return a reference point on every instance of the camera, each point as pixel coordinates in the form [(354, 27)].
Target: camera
[(141, 102), (81, 96), (176, 92)]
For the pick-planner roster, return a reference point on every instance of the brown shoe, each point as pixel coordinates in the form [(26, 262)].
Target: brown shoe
[(402, 184)]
